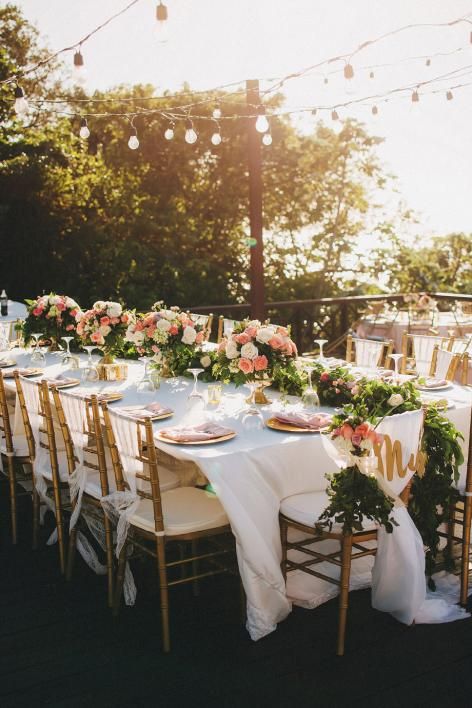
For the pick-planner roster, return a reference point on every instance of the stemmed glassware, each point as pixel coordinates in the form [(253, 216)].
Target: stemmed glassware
[(37, 356), (90, 371), (253, 418), (321, 343), (310, 398), (396, 358), (4, 341), (69, 361), (195, 398), (146, 383)]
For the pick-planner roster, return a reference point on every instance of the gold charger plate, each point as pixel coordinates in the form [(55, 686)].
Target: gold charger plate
[(433, 388), (286, 428), (67, 384), (107, 397), (157, 416), (5, 363), (223, 438), (23, 372)]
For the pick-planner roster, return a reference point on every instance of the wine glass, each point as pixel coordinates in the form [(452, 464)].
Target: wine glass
[(4, 340), (396, 358), (37, 356), (195, 398), (253, 418), (68, 360), (90, 371), (146, 383), (310, 398), (321, 343)]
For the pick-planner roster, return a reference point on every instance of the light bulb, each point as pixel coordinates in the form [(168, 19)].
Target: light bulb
[(449, 95), (375, 111), (216, 139), (133, 142), (217, 113), (262, 124), (84, 131), (169, 134), (371, 75), (334, 115), (267, 139), (79, 69), (415, 97), (190, 135), (21, 104), (348, 71), (162, 24)]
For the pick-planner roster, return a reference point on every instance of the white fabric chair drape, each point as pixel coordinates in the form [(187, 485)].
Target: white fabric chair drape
[(423, 347), (76, 419), (443, 362), (368, 352)]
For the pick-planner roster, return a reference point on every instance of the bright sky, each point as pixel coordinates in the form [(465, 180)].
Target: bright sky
[(212, 42)]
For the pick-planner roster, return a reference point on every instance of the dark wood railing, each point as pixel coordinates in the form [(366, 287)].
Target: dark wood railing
[(328, 317)]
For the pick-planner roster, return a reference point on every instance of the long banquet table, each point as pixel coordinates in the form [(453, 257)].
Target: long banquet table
[(251, 474)]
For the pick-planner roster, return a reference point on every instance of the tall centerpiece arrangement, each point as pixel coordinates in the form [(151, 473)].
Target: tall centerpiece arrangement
[(104, 326), (254, 353), (52, 316), (168, 335)]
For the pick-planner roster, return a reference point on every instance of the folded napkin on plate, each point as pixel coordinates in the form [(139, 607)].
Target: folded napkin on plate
[(63, 380), (195, 433), (310, 421), (434, 383), (11, 372), (150, 411)]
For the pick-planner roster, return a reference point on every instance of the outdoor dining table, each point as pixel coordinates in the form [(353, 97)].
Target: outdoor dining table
[(16, 311), (251, 474)]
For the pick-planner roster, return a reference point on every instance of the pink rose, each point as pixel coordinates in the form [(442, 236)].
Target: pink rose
[(60, 306), (251, 332), (246, 366), (362, 429), (276, 342), (124, 319), (139, 326), (346, 431), (173, 329), (96, 337), (222, 346), (355, 390), (242, 338), (356, 439), (200, 337), (104, 320), (155, 348), (324, 376), (260, 363), (69, 328), (37, 311), (73, 313), (115, 320)]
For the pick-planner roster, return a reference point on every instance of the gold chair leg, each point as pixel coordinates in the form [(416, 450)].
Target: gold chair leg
[(71, 553), (465, 550), (12, 481), (346, 550), (195, 584), (162, 570), (109, 548), (120, 576), (283, 539), (60, 531)]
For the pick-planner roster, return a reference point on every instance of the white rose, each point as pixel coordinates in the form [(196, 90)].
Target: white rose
[(205, 361), (54, 300), (70, 303), (168, 314), (164, 325), (231, 350), (114, 309), (249, 351), (104, 330), (396, 399), (189, 335), (99, 305), (254, 323), (264, 334)]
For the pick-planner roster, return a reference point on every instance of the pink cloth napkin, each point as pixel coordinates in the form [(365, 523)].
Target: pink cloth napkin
[(434, 383), (10, 373), (152, 410), (62, 380), (311, 421), (195, 433)]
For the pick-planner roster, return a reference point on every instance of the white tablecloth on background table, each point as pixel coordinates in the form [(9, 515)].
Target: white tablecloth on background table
[(16, 311), (444, 324), (251, 474)]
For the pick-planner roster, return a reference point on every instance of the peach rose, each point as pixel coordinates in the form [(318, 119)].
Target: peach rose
[(200, 337), (260, 363), (276, 342), (173, 329), (124, 319), (251, 332), (346, 431), (246, 365), (242, 338), (104, 320), (96, 337), (362, 429), (115, 320), (37, 311), (69, 328)]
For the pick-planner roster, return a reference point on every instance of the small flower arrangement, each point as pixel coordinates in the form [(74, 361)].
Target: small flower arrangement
[(52, 315), (254, 351), (335, 386), (105, 326), (420, 304), (168, 334)]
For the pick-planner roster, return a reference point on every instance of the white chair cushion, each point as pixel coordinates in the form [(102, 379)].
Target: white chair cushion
[(185, 509), (307, 508)]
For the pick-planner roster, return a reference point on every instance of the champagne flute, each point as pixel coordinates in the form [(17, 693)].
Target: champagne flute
[(396, 358), (195, 398), (321, 343), (68, 360), (310, 398), (37, 356), (253, 418), (90, 371), (146, 383)]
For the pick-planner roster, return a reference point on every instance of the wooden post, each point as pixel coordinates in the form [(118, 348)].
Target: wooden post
[(255, 204)]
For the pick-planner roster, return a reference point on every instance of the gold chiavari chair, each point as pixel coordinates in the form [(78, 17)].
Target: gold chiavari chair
[(417, 350), (38, 421), (205, 320), (14, 450), (444, 364), (368, 352), (300, 512), (79, 418), (184, 514)]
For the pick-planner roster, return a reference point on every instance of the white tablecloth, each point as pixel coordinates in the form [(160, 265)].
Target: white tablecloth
[(251, 474), (16, 311), (444, 323)]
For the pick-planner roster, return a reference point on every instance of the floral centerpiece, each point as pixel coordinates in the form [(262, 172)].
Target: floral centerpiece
[(254, 352), (168, 335), (335, 386), (104, 326), (54, 316), (420, 305)]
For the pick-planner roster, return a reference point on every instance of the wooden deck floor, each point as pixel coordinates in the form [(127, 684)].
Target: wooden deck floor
[(59, 646)]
